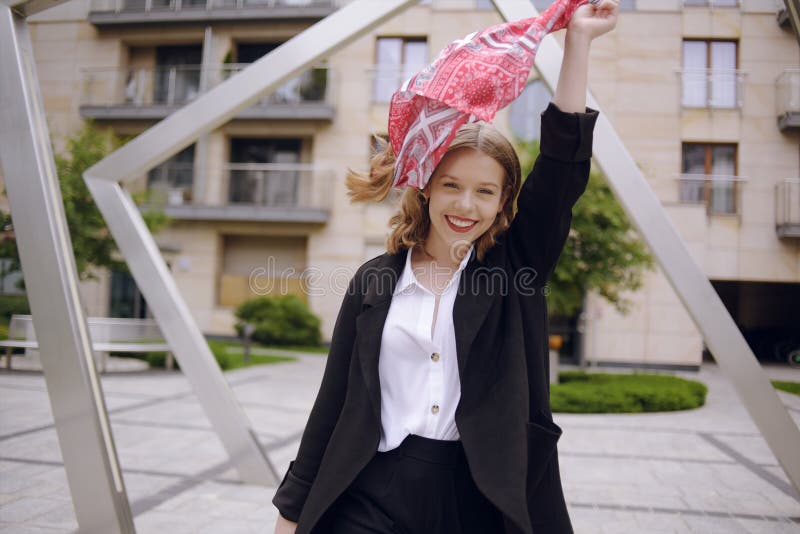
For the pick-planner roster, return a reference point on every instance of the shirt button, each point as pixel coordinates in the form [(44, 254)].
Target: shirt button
[(435, 356), (435, 408)]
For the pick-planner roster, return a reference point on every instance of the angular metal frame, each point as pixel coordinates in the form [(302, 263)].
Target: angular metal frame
[(76, 397), (168, 137)]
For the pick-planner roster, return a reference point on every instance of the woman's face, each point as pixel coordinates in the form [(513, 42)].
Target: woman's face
[(466, 194)]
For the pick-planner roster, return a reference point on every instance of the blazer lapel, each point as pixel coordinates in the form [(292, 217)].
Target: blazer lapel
[(477, 290), (379, 283)]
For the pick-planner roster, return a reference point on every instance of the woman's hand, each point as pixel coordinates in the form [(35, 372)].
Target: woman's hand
[(594, 19), (284, 526)]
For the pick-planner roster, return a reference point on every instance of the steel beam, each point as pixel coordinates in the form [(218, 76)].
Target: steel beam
[(721, 334), (155, 145), (76, 398)]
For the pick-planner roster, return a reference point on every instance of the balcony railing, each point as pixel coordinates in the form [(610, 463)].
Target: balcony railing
[(787, 98), (278, 185), (252, 192), (719, 193), (170, 184), (787, 208), (712, 88), (712, 3), (178, 6), (155, 92)]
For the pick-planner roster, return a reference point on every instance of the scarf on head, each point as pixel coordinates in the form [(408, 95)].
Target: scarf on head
[(470, 80)]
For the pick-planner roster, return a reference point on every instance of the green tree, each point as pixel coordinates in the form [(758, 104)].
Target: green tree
[(603, 253), (92, 243)]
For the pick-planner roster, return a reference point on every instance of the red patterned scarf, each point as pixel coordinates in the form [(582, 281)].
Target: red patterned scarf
[(470, 80)]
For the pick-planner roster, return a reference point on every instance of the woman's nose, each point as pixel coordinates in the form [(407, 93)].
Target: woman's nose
[(465, 200)]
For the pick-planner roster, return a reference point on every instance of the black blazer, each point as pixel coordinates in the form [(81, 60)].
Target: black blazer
[(500, 320)]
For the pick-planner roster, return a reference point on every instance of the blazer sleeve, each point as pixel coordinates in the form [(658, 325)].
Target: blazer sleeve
[(293, 490), (544, 206)]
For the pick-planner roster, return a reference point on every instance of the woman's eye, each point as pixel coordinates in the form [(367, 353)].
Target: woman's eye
[(486, 191), (450, 184)]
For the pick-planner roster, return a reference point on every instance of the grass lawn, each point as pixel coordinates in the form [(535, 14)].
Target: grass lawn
[(789, 387), (231, 360), (580, 392)]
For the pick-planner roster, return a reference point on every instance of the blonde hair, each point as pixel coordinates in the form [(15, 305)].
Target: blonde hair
[(411, 223)]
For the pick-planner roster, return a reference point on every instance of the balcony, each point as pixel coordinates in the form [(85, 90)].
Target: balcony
[(787, 99), (787, 209), (255, 192), (154, 93), (108, 13), (712, 3), (712, 88), (719, 193)]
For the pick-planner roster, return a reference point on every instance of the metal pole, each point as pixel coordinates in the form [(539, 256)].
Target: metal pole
[(155, 145), (76, 398), (721, 334)]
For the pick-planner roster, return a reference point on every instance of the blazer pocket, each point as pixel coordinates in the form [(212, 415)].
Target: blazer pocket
[(543, 434)]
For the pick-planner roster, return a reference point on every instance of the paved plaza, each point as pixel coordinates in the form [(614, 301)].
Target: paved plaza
[(705, 471)]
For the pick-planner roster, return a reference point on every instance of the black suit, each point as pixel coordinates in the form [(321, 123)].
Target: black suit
[(500, 320)]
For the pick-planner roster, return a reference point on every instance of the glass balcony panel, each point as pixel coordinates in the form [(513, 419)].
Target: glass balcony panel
[(179, 85), (278, 185)]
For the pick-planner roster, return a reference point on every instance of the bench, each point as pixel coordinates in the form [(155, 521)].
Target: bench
[(108, 334)]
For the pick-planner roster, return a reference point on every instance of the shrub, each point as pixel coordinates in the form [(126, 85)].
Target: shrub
[(13, 304), (581, 392), (789, 387), (279, 321)]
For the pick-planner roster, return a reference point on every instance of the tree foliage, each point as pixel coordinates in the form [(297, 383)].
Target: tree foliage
[(603, 253), (92, 243)]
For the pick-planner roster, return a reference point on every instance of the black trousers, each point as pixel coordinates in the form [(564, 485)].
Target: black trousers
[(421, 487)]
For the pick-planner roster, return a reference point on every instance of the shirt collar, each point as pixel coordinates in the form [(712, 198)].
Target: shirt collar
[(409, 279)]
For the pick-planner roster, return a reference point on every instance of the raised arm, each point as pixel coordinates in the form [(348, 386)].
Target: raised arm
[(560, 174)]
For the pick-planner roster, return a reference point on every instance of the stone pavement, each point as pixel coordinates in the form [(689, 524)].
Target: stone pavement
[(704, 471)]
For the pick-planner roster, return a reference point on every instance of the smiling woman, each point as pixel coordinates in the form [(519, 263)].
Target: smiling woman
[(435, 389), (468, 199)]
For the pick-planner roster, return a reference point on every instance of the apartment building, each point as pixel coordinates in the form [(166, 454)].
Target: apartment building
[(705, 95)]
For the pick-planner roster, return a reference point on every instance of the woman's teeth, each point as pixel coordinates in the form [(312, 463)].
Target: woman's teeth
[(461, 223)]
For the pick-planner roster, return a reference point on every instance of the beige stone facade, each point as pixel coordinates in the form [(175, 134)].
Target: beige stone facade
[(636, 75)]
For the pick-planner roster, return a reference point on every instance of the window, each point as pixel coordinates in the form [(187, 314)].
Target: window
[(124, 297), (171, 182), (526, 111), (398, 58), (265, 172), (177, 76), (710, 78), (709, 176)]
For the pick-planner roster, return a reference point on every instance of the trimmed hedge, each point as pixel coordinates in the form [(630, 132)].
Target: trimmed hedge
[(280, 321), (580, 392)]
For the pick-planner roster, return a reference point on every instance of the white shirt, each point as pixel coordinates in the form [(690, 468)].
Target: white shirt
[(418, 369)]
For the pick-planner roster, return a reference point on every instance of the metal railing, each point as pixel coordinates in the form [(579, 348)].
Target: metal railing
[(279, 185), (712, 88), (146, 6), (787, 208), (719, 193), (787, 92), (712, 3), (179, 84)]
